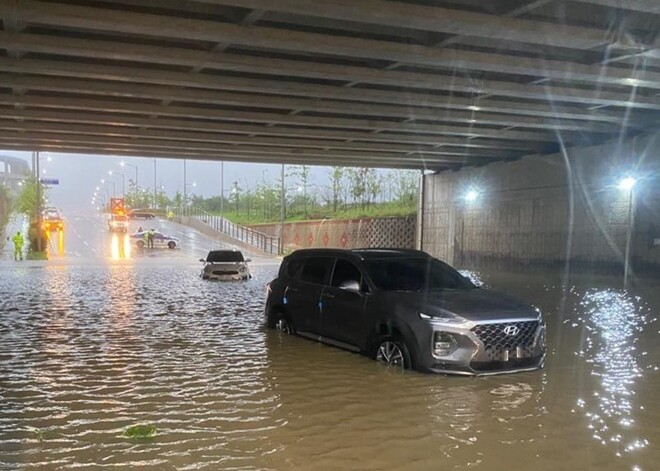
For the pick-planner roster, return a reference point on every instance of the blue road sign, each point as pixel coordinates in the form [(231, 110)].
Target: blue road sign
[(50, 181)]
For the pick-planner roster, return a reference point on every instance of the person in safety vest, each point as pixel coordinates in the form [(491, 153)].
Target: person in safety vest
[(150, 238), (18, 245), (170, 215)]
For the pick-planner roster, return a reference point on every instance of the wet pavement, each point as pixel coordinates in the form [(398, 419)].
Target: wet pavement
[(92, 342)]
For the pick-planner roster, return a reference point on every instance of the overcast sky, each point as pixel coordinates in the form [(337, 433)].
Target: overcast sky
[(79, 174)]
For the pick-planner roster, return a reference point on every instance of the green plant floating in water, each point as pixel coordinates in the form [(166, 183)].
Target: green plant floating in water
[(140, 431)]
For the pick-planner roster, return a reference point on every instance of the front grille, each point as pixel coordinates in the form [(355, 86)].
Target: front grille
[(225, 273), (502, 346)]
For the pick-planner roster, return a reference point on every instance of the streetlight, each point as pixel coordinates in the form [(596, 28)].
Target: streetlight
[(628, 184), (471, 196), (124, 164), (123, 188)]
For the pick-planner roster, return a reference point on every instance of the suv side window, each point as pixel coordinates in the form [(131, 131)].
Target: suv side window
[(345, 271), (316, 270), (294, 266)]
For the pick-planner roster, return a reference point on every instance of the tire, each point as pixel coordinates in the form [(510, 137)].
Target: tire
[(171, 245), (283, 324), (140, 244), (393, 351)]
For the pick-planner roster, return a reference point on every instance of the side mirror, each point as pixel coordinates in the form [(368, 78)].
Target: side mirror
[(350, 285), (248, 260), (202, 260)]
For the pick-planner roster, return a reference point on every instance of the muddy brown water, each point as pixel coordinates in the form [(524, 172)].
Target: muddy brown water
[(87, 351)]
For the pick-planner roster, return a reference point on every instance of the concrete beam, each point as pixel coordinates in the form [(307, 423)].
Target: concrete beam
[(435, 19), (245, 153), (288, 68), (296, 133), (645, 6), (160, 26), (112, 106), (169, 95), (181, 139)]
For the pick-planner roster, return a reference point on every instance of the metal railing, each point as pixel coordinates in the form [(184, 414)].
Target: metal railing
[(259, 240)]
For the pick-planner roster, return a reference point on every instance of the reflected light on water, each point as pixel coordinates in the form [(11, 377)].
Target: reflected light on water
[(120, 247), (613, 321)]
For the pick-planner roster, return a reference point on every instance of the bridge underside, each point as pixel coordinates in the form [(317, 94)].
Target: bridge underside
[(414, 84)]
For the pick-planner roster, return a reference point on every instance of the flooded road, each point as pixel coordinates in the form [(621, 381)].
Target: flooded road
[(90, 346)]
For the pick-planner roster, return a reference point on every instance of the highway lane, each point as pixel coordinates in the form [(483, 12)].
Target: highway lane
[(87, 240)]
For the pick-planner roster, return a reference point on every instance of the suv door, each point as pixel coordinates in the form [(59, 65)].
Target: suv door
[(343, 310), (303, 295)]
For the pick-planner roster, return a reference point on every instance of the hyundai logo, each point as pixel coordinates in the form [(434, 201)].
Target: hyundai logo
[(511, 330)]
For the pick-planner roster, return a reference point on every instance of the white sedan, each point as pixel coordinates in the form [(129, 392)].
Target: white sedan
[(160, 240)]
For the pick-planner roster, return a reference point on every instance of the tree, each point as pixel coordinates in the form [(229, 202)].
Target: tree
[(336, 178), (302, 172), (27, 202)]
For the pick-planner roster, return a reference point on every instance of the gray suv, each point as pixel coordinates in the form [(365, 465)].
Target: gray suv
[(406, 309)]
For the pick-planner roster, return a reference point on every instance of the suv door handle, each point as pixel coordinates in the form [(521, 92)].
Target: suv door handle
[(329, 295), (292, 290)]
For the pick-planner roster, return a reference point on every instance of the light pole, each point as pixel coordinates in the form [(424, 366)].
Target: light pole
[(124, 164), (185, 188), (155, 190), (123, 188), (628, 184)]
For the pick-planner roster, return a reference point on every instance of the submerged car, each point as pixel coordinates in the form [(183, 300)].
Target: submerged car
[(406, 309), (160, 240), (225, 265)]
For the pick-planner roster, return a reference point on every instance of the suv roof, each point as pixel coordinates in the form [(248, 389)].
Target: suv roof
[(363, 254)]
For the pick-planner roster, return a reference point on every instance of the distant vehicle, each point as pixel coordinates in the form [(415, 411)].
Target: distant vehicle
[(225, 265), (160, 240), (141, 214), (405, 309), (52, 220), (118, 223)]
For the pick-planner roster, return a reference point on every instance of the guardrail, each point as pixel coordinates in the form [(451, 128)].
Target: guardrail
[(259, 240)]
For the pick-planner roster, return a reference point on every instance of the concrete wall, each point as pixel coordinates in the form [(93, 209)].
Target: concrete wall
[(396, 232), (545, 210)]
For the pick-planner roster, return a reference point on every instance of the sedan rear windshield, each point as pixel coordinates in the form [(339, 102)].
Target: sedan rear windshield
[(415, 274), (224, 256)]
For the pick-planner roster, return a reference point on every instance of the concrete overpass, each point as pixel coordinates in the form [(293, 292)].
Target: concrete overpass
[(434, 85)]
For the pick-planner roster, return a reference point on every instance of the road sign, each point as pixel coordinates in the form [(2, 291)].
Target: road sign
[(50, 181)]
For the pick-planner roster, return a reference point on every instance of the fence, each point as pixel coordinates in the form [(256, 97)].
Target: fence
[(259, 240)]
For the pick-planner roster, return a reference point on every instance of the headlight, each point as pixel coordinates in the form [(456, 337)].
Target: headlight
[(445, 319)]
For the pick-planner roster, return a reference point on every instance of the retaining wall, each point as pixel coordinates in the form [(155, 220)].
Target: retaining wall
[(548, 210), (395, 232)]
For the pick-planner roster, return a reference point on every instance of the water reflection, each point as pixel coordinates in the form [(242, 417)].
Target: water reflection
[(613, 321), (120, 247)]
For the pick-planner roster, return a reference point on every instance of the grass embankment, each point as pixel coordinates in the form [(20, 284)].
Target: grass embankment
[(372, 211)]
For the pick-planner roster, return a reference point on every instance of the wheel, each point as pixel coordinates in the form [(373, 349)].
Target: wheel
[(284, 325), (171, 245), (393, 351), (245, 278), (140, 244)]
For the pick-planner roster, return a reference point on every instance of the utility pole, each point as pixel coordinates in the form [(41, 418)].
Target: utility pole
[(185, 189), (155, 190), (282, 213), (39, 220), (222, 194)]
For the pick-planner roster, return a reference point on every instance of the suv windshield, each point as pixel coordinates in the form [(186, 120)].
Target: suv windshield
[(224, 256), (415, 274)]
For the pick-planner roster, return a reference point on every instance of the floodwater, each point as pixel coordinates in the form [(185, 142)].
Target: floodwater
[(90, 346)]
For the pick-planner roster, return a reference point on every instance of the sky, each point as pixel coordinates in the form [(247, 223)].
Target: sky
[(79, 174)]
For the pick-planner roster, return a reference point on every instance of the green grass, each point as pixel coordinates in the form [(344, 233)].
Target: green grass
[(140, 431), (373, 211), (34, 255)]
